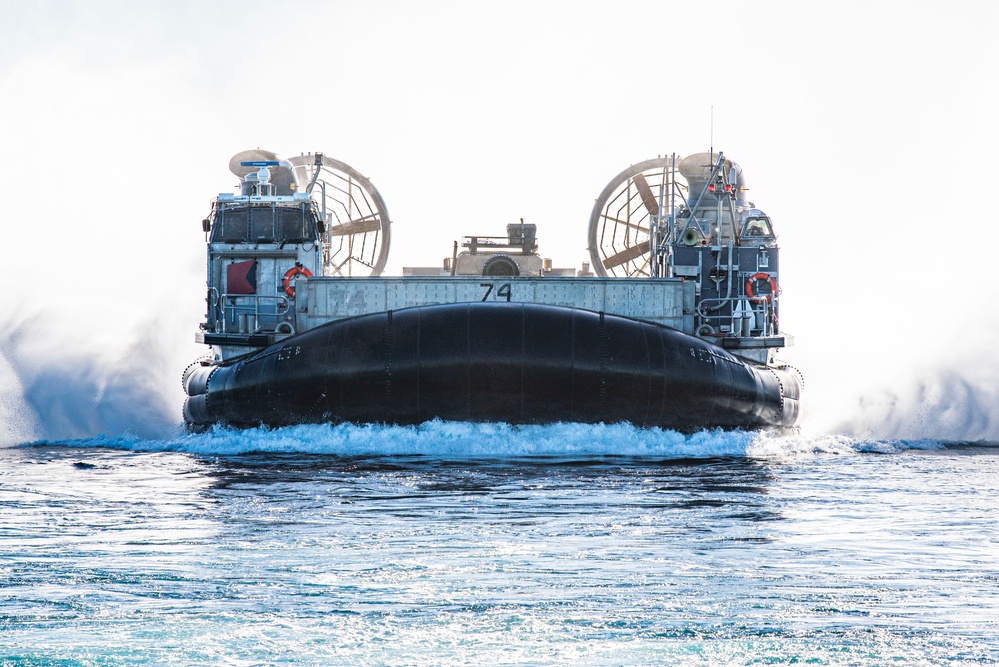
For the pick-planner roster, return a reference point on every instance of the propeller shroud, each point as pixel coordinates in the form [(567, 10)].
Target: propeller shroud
[(628, 211), (356, 220)]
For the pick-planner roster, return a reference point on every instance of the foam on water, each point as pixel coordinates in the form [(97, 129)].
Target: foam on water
[(463, 440)]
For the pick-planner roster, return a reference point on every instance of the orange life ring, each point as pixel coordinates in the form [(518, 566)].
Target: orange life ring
[(751, 282), (296, 270)]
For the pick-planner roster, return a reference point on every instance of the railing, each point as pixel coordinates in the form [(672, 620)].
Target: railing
[(252, 313), (761, 313)]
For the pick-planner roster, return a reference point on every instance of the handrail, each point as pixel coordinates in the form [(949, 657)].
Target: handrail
[(764, 307), (251, 305)]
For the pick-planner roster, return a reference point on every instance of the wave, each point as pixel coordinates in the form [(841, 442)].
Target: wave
[(53, 392), (463, 440), (52, 389), (939, 403)]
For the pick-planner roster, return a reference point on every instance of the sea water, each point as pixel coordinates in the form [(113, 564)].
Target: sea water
[(451, 544)]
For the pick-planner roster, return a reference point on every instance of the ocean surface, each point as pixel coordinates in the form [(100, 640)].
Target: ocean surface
[(460, 544)]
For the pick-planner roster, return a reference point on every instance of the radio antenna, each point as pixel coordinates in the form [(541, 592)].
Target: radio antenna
[(712, 134)]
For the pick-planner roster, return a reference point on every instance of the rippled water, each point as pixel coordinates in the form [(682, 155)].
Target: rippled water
[(461, 544)]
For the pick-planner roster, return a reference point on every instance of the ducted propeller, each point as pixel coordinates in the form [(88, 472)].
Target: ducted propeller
[(355, 216), (621, 223)]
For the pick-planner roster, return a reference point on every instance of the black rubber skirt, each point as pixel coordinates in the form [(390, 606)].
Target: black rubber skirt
[(507, 362)]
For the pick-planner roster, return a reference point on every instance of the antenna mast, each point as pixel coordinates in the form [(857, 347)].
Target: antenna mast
[(711, 141)]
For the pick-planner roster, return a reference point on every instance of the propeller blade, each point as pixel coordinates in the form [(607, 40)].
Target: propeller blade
[(369, 223), (625, 223), (645, 191), (627, 255)]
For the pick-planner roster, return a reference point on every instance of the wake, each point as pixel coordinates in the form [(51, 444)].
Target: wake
[(463, 440)]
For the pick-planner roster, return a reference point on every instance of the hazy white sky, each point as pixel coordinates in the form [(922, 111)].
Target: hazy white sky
[(866, 130)]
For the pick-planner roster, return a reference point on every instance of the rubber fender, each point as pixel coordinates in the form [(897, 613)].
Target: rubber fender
[(196, 379), (516, 363), (196, 410)]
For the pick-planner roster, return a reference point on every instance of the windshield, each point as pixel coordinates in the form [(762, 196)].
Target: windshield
[(757, 228), (264, 223)]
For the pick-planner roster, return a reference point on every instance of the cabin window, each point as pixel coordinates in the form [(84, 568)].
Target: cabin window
[(295, 225), (757, 228), (264, 224), (261, 224), (230, 226)]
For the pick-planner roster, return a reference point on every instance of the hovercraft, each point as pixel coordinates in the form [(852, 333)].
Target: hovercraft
[(676, 324)]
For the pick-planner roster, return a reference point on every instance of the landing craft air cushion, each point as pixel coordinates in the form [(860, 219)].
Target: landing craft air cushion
[(675, 326)]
